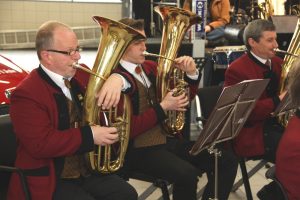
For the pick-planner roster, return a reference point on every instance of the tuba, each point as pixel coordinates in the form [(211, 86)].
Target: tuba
[(291, 55), (176, 22), (115, 38), (266, 9)]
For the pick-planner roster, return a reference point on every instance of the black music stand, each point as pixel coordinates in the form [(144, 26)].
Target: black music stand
[(228, 117)]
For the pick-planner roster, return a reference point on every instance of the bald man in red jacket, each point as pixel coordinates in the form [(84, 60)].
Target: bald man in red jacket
[(44, 113)]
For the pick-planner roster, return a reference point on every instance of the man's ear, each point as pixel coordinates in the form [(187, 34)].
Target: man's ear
[(46, 57), (252, 42)]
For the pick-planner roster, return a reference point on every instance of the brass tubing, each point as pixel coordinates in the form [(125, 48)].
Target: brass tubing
[(145, 53), (77, 66), (285, 52)]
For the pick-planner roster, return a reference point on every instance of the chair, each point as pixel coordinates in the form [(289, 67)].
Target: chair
[(8, 148), (156, 183), (270, 174), (208, 97), (246, 175)]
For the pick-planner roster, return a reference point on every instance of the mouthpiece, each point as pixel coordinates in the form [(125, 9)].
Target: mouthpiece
[(145, 53), (285, 52), (77, 66)]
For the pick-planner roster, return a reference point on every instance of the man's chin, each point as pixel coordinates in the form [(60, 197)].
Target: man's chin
[(71, 74), (272, 54), (141, 61)]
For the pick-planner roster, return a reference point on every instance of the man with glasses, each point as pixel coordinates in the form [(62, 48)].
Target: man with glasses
[(46, 115), (71, 52)]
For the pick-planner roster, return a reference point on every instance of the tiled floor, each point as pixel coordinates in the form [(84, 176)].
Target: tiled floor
[(257, 181)]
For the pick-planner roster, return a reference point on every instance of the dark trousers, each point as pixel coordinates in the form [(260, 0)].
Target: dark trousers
[(173, 163), (95, 187), (273, 132)]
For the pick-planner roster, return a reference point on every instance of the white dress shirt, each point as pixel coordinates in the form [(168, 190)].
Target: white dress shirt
[(59, 80), (130, 67), (262, 60)]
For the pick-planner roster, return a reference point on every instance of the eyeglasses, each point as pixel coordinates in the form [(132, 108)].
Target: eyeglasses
[(71, 52)]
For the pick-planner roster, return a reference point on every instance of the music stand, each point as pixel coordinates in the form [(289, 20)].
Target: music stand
[(228, 117)]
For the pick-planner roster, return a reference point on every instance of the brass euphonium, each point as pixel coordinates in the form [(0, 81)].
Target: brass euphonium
[(288, 60), (115, 38), (176, 22), (266, 9), (295, 10)]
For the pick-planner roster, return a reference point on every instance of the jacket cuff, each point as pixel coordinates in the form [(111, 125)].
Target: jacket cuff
[(276, 101), (124, 76), (87, 140), (160, 113), (193, 81)]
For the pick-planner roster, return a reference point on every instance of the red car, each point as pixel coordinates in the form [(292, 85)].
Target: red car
[(10, 76)]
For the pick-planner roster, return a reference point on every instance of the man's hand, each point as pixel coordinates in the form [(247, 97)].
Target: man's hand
[(282, 95), (104, 135), (186, 64), (109, 94), (207, 29), (174, 103)]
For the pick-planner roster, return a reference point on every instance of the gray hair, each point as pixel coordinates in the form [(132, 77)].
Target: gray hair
[(44, 37), (255, 29), (294, 82)]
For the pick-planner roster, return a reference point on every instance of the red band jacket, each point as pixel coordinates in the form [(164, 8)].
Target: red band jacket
[(249, 141), (288, 158), (40, 118)]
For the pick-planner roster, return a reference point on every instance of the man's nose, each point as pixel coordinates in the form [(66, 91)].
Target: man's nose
[(275, 44), (77, 56)]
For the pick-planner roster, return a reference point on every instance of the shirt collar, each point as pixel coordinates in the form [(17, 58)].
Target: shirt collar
[(56, 78), (130, 67), (262, 60)]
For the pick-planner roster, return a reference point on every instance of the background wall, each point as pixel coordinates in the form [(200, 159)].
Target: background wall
[(22, 14)]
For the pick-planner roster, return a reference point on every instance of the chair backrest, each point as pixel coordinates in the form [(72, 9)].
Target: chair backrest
[(279, 189), (7, 151), (8, 143), (208, 97)]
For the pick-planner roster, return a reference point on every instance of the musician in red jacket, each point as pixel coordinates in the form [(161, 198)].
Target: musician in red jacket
[(288, 153), (152, 151), (45, 114), (261, 133)]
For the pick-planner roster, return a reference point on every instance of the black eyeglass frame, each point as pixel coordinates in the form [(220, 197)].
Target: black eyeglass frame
[(69, 53)]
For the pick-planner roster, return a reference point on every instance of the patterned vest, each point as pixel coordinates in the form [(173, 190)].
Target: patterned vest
[(74, 165), (155, 135)]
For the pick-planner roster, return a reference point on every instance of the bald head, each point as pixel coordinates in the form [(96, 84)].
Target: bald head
[(45, 35)]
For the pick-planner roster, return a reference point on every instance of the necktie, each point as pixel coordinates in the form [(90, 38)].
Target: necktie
[(67, 83), (138, 70), (69, 92), (142, 78), (268, 63)]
